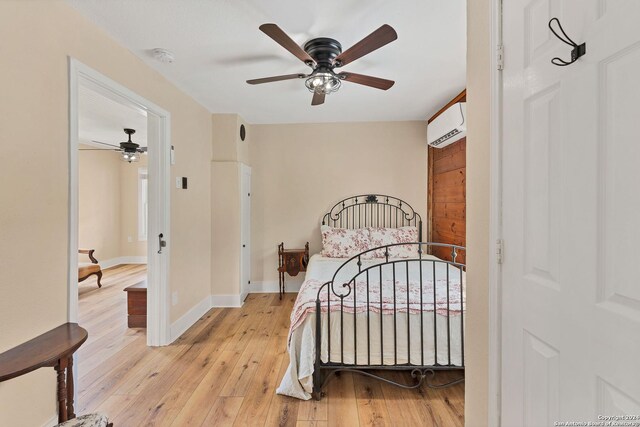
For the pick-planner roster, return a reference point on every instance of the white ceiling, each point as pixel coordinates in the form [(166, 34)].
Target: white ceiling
[(218, 46), (102, 119)]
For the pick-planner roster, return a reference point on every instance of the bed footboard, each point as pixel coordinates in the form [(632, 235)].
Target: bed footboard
[(394, 314)]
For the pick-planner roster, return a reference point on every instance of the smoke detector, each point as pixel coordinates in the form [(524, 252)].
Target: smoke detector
[(163, 55)]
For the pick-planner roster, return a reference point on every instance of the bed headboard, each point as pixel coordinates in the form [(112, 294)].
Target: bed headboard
[(373, 210)]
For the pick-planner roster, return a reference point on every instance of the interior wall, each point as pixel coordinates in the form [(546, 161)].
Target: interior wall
[(130, 245), (225, 254), (228, 152), (478, 210), (299, 171), (99, 204), (37, 37), (108, 206)]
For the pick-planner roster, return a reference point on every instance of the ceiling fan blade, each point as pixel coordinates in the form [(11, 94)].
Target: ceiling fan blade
[(276, 79), (318, 98), (361, 79), (280, 37), (104, 143), (142, 149), (98, 149), (380, 37)]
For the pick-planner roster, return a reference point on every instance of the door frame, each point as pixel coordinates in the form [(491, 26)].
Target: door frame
[(495, 216), (244, 287), (158, 320)]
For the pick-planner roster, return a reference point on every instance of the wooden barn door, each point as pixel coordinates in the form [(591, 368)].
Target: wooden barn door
[(446, 198)]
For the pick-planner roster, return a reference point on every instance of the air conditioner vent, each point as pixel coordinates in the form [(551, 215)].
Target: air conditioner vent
[(448, 127)]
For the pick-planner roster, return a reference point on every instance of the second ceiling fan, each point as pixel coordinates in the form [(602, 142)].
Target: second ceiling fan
[(323, 55), (129, 150)]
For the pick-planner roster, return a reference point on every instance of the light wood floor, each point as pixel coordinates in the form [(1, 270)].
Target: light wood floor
[(224, 371)]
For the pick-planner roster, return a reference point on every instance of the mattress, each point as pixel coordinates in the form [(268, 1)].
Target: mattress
[(376, 331)]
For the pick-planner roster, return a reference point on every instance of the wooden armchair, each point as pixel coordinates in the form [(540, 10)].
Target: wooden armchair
[(87, 269)]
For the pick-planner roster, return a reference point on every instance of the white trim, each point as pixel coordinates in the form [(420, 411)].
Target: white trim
[(495, 220), (159, 222), (245, 255), (222, 301), (142, 214), (72, 247), (52, 422), (158, 328), (272, 286), (188, 319), (123, 260)]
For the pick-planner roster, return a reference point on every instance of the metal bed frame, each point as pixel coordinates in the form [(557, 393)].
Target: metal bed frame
[(375, 210)]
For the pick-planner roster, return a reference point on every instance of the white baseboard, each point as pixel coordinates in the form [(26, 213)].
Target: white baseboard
[(51, 422), (187, 320), (272, 286), (226, 300), (181, 325), (123, 260), (133, 260)]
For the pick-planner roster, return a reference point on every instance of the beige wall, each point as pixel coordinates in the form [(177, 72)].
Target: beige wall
[(100, 204), (228, 152), (227, 145), (225, 231), (108, 205), (37, 37), (300, 170), (129, 209), (478, 198)]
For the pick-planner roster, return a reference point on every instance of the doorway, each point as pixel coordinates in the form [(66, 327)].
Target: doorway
[(82, 78), (112, 221)]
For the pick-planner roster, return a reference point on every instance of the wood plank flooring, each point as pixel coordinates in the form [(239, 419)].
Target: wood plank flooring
[(224, 372)]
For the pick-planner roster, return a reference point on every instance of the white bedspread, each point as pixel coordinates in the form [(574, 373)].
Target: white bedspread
[(298, 379)]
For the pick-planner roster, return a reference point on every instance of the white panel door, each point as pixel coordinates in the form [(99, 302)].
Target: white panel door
[(571, 213), (245, 232)]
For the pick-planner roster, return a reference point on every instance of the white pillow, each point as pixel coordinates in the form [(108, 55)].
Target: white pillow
[(389, 236), (344, 242)]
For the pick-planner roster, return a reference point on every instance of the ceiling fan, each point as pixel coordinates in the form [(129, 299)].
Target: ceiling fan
[(324, 55), (129, 149)]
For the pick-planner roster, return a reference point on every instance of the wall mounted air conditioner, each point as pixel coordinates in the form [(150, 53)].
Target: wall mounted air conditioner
[(448, 127)]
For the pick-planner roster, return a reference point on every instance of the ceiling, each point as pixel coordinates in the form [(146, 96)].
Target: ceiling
[(102, 119), (218, 46)]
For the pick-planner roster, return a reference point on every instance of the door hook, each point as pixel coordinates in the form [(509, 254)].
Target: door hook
[(577, 52)]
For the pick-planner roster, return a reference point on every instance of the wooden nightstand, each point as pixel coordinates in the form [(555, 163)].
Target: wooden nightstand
[(291, 261)]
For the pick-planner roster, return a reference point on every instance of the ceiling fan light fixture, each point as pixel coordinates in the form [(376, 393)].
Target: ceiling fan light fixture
[(129, 148), (323, 55), (129, 157), (323, 82)]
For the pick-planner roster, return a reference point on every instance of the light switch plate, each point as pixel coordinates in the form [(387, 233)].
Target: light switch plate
[(174, 298), (178, 182)]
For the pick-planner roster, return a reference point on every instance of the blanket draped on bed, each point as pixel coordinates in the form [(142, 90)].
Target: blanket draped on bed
[(356, 299)]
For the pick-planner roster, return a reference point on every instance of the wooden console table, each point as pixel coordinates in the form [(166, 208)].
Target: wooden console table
[(51, 349), (137, 305), (292, 262)]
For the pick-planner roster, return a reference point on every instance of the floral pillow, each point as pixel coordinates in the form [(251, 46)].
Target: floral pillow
[(389, 236), (344, 242)]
